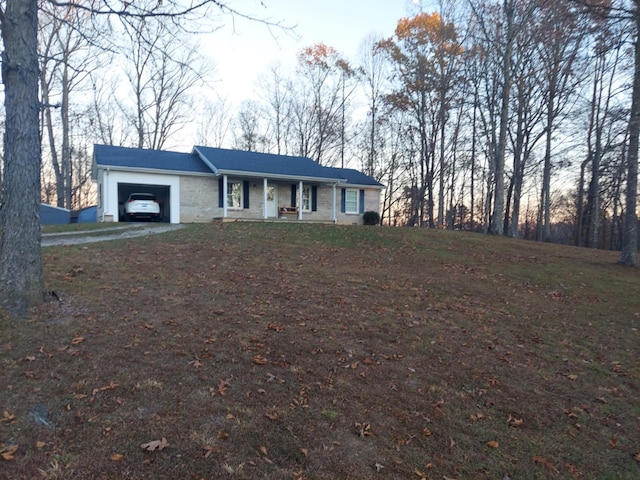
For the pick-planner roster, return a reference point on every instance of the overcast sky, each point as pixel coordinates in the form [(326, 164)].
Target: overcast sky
[(244, 50)]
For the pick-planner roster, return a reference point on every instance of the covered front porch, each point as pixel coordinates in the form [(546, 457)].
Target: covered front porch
[(278, 199)]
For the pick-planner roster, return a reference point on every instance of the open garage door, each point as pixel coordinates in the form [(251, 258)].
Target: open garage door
[(161, 192)]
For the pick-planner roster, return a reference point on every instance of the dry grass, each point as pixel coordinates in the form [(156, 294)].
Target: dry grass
[(284, 351)]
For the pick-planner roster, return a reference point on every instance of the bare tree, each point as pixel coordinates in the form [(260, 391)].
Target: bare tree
[(214, 127), (322, 111), (161, 70), (277, 112), (372, 75), (421, 53), (501, 36), (66, 62), (560, 45), (21, 279), (248, 121)]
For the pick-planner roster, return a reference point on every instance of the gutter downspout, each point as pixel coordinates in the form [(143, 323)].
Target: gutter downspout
[(333, 192)]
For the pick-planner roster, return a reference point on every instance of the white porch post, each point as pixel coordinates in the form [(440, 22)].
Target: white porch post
[(333, 192), (265, 185), (300, 200), (224, 196)]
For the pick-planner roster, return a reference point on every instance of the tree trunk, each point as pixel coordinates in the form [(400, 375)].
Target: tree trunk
[(21, 283), (497, 217), (629, 255)]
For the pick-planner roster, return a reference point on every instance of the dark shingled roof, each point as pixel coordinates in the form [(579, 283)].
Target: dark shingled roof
[(264, 163), (355, 177), (139, 158), (220, 160)]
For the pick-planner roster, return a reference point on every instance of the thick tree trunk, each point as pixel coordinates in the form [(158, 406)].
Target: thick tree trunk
[(629, 255), (21, 283)]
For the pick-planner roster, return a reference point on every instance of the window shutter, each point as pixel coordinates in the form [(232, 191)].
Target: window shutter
[(221, 192), (361, 201), (343, 200), (314, 198), (245, 193), (294, 197)]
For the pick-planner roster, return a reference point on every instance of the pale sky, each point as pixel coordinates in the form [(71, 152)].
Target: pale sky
[(242, 55)]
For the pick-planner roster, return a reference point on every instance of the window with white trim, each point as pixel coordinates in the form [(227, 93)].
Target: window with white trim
[(234, 194), (306, 199), (351, 201)]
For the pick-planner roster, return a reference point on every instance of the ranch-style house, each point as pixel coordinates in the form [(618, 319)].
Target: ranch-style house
[(215, 183)]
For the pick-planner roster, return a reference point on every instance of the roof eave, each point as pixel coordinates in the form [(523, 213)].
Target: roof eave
[(163, 171), (358, 185), (297, 178)]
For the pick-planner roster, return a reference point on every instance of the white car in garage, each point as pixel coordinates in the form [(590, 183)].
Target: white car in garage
[(141, 206)]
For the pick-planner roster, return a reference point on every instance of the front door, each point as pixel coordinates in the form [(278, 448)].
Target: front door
[(272, 202)]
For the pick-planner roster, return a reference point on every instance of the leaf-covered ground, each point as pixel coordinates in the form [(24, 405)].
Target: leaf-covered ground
[(287, 351)]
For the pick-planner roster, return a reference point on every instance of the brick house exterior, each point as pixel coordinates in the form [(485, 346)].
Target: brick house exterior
[(213, 183)]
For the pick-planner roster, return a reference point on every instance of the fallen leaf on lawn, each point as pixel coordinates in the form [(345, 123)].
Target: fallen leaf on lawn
[(613, 442), (262, 449), (545, 462), (222, 435), (223, 386), (8, 452), (155, 445), (363, 429), (195, 363), (271, 415), (259, 360), (476, 417), (514, 422), (40, 444), (116, 457), (420, 474), (637, 457), (30, 358), (77, 340), (304, 451), (427, 432), (492, 444), (7, 417), (379, 467), (210, 449), (111, 386), (572, 376)]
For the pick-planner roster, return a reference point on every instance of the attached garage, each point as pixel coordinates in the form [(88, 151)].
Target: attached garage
[(121, 171), (161, 192), (119, 185)]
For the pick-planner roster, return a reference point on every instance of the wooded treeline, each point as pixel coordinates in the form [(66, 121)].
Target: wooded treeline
[(503, 116)]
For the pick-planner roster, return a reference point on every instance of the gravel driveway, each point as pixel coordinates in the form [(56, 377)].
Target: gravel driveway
[(99, 235)]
